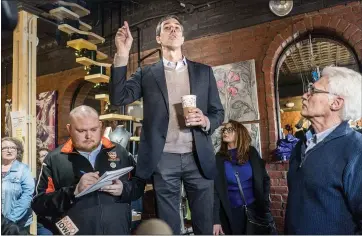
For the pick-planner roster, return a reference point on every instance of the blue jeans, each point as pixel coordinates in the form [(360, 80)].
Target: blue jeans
[(41, 230)]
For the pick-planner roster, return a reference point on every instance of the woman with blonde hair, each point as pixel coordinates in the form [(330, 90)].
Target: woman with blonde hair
[(242, 183)]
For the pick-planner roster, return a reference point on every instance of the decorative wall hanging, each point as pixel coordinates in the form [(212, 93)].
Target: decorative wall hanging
[(254, 131), (8, 108), (46, 123), (237, 88)]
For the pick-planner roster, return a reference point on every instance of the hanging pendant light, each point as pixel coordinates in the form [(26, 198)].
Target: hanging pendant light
[(289, 104), (281, 7)]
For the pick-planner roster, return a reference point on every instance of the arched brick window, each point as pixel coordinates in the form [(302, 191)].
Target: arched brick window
[(294, 70), (346, 28)]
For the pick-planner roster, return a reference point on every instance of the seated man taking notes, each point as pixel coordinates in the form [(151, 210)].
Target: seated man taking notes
[(78, 164)]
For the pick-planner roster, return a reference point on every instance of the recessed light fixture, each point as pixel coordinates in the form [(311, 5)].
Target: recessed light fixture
[(290, 104)]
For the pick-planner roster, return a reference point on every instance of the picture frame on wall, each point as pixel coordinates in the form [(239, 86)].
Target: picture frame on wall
[(46, 120), (237, 87), (254, 131)]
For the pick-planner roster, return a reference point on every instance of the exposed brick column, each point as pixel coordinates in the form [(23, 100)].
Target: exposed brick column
[(278, 191), (64, 101)]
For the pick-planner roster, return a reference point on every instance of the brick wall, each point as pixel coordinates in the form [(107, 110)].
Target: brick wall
[(264, 43), (65, 83), (278, 191)]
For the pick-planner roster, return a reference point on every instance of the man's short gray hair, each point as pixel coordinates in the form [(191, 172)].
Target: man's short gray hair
[(165, 18), (346, 83)]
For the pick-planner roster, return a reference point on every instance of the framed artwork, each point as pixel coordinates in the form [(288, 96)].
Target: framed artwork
[(46, 124), (254, 131), (237, 88), (8, 108)]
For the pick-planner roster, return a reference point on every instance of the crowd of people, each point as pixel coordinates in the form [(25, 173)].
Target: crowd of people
[(228, 193)]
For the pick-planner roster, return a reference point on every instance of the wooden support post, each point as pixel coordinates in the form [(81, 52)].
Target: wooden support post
[(24, 85)]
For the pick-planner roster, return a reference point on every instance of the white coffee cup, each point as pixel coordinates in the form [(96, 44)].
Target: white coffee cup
[(188, 103)]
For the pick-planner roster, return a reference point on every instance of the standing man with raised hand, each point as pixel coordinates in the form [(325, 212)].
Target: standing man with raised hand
[(173, 147)]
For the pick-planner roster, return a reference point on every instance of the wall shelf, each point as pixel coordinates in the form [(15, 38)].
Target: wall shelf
[(102, 97), (97, 78), (79, 10), (63, 13), (79, 44), (135, 139), (135, 103), (119, 117), (148, 187), (101, 56), (92, 37), (105, 97), (88, 62), (84, 26), (137, 217)]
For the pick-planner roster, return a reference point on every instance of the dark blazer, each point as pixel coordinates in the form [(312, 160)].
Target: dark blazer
[(261, 184), (150, 83)]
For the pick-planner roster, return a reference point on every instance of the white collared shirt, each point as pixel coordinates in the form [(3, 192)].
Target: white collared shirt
[(175, 65)]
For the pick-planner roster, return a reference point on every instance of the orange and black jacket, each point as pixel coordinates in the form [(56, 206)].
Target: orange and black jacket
[(94, 213)]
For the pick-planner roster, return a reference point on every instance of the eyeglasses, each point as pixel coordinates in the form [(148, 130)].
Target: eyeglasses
[(11, 149), (312, 90), (229, 129)]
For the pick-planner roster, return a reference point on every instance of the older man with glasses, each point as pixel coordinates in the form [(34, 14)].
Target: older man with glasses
[(325, 177)]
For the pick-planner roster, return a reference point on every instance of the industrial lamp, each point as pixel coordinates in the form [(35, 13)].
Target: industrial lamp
[(281, 7)]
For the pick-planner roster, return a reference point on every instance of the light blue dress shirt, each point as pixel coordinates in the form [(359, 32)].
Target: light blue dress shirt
[(92, 156), (314, 139)]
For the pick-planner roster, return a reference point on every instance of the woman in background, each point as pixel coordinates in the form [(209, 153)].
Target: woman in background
[(17, 184), (42, 153), (236, 155), (43, 223)]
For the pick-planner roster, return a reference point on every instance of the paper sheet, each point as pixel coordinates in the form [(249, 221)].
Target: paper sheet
[(105, 179)]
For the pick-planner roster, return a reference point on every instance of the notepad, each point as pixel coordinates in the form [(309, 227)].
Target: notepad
[(105, 179)]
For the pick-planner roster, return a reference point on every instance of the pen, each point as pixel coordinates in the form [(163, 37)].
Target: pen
[(83, 172)]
